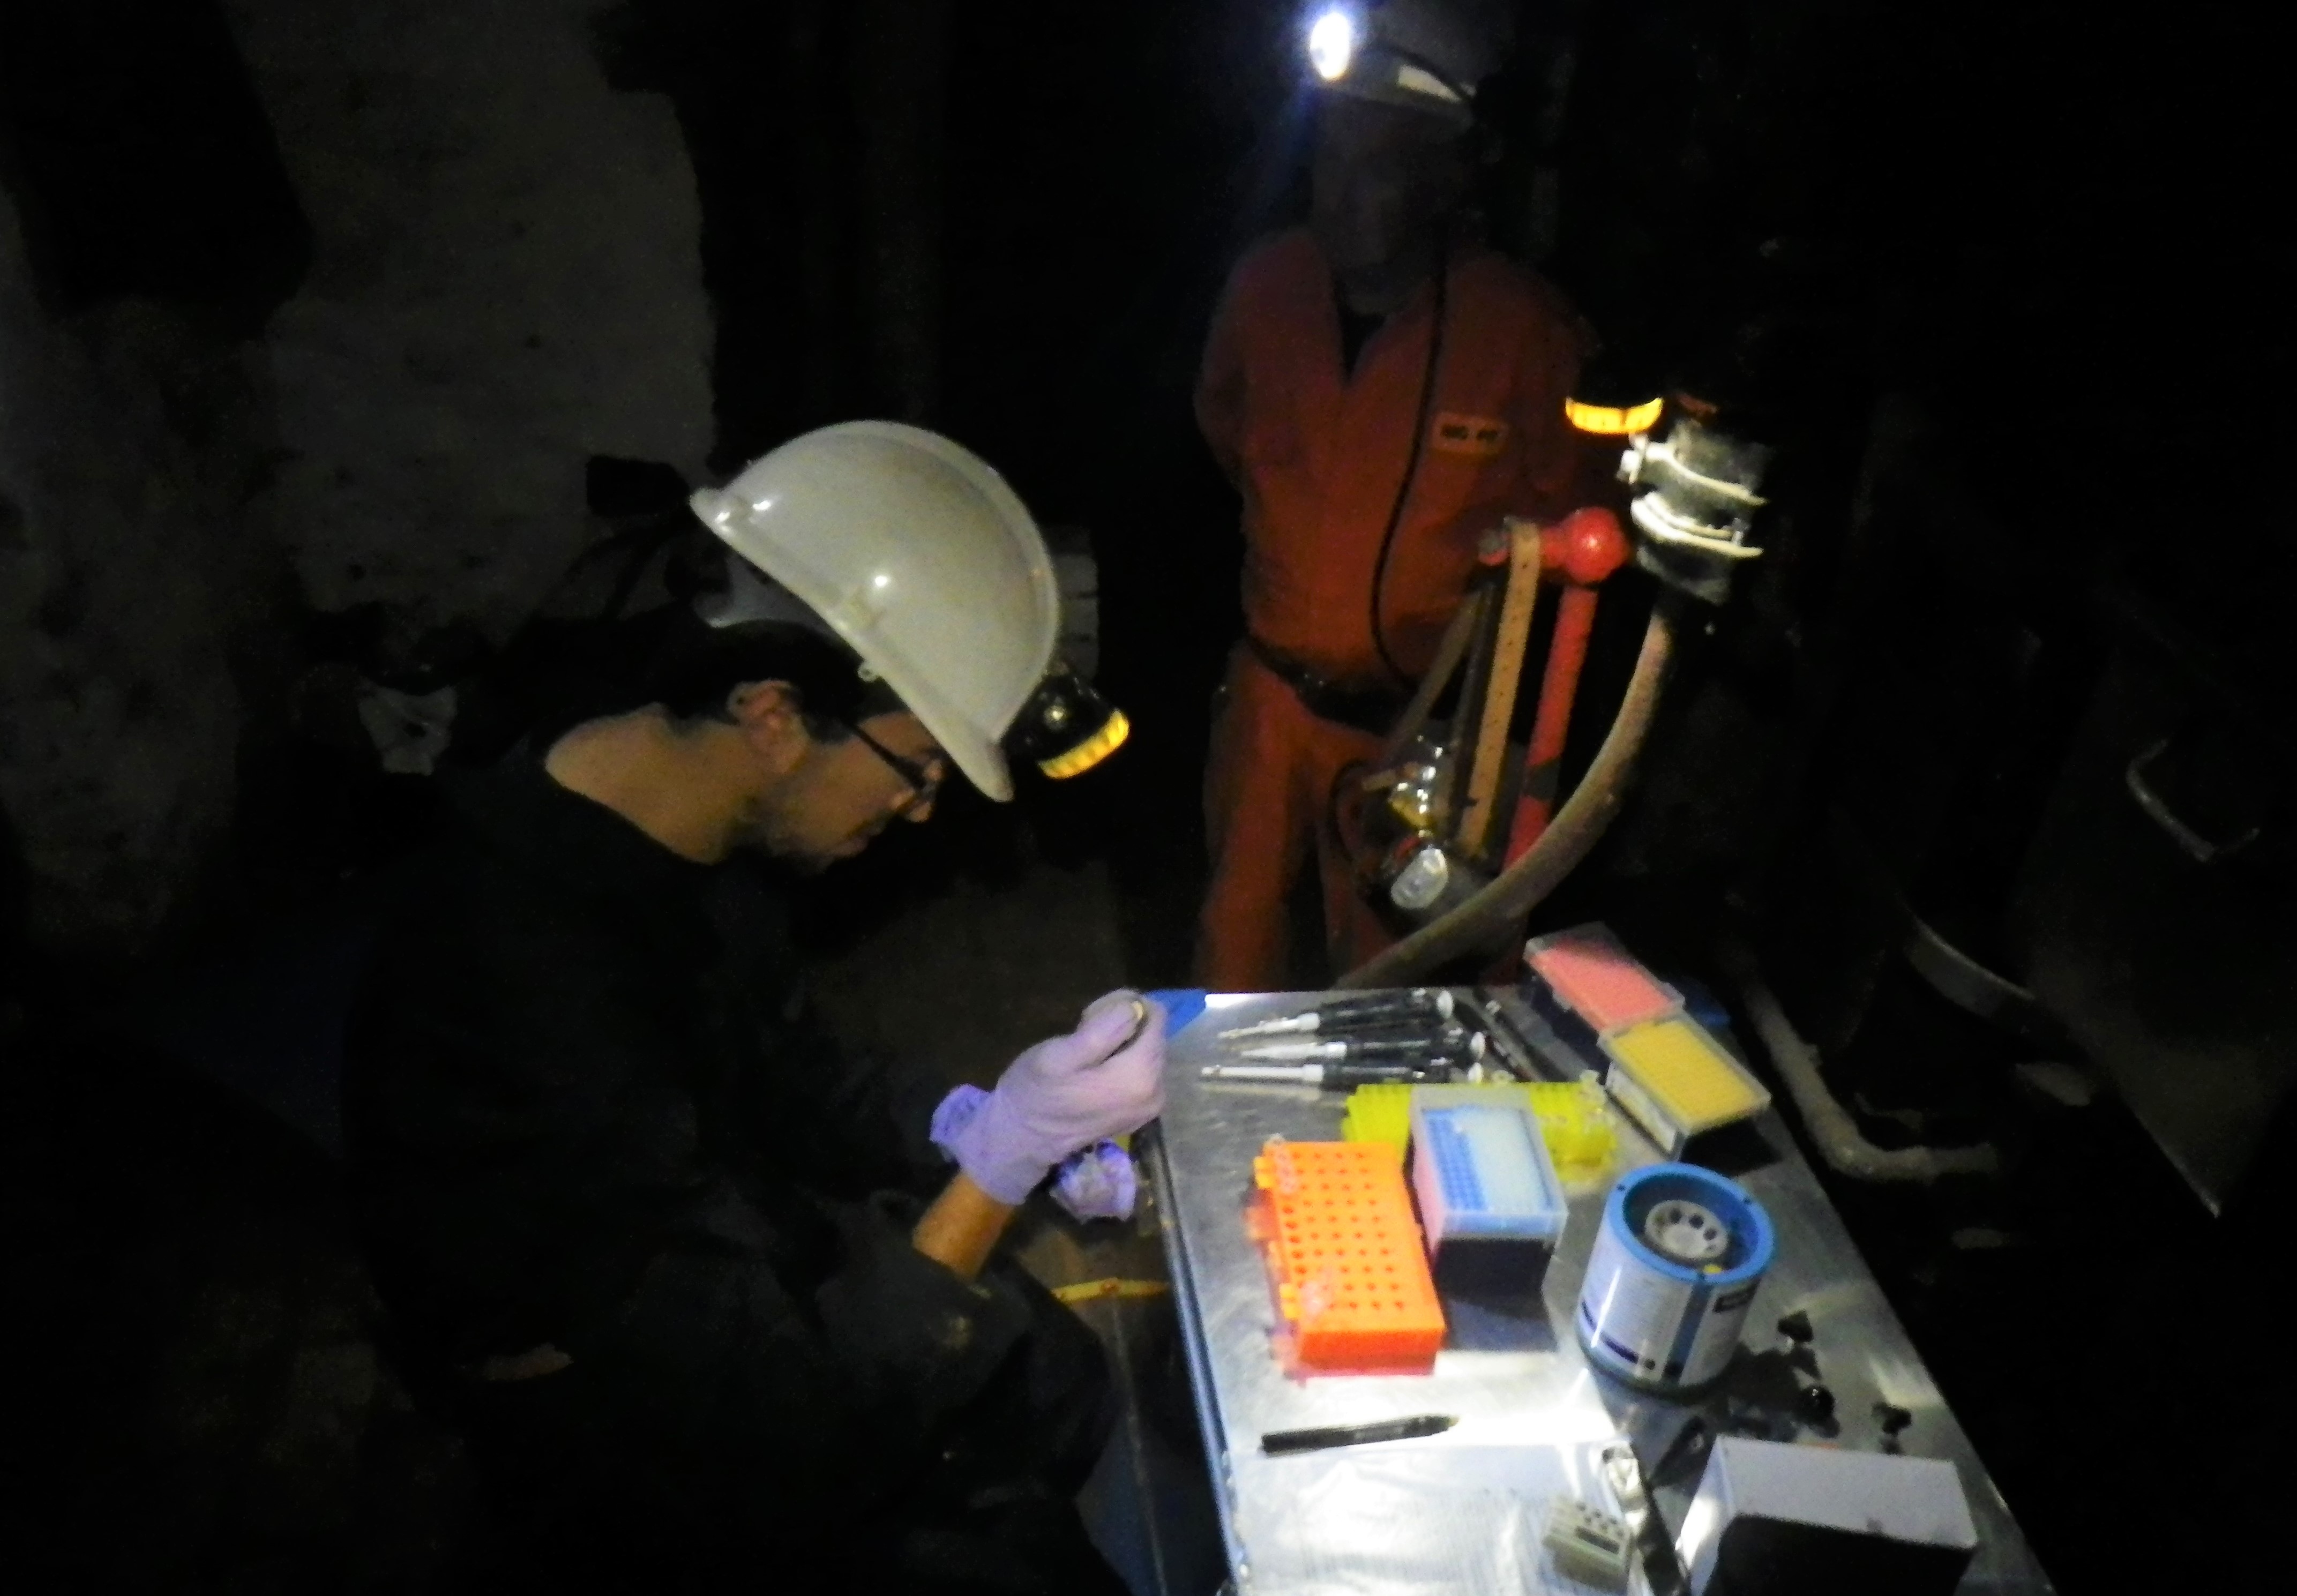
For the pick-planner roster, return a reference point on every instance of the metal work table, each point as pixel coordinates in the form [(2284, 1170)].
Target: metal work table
[(1447, 1512)]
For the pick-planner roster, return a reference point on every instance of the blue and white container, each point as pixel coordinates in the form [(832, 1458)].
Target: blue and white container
[(1490, 1205), (1480, 1168), (1677, 1261)]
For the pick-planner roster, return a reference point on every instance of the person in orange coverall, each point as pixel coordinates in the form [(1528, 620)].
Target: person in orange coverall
[(1382, 388)]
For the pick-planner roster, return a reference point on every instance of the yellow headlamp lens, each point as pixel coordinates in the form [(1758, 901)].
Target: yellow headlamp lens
[(1612, 421), (1085, 755)]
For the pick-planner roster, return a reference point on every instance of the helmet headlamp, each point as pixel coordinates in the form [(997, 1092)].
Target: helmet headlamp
[(1067, 727), (1424, 60), (1332, 39)]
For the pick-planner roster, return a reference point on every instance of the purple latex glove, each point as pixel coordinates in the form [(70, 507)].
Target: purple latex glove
[(1097, 1183), (1104, 1079)]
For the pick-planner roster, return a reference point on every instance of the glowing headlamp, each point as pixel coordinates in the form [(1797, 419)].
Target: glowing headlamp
[(1067, 727), (1614, 397), (1332, 39), (1349, 49), (1612, 420)]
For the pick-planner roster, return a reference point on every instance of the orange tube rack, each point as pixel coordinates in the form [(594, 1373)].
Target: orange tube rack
[(1345, 1252)]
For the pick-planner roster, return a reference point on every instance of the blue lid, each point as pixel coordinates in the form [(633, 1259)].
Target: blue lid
[(1638, 1192), (1182, 1004)]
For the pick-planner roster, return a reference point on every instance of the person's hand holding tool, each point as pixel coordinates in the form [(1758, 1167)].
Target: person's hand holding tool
[(1104, 1079)]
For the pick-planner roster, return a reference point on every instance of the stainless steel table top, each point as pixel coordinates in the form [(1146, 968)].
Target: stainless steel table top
[(1436, 1513)]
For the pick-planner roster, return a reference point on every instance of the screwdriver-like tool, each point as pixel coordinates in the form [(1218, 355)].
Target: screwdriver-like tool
[(1453, 1044), (1421, 1005), (1277, 1442), (1338, 1076)]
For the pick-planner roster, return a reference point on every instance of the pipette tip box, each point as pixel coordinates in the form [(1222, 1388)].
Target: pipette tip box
[(1592, 973), (1676, 1080), (1491, 1206)]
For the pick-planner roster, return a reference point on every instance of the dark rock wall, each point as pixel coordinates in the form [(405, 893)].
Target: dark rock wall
[(390, 327), (131, 572), (506, 279)]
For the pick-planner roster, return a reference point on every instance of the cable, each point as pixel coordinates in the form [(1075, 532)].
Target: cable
[(1411, 462)]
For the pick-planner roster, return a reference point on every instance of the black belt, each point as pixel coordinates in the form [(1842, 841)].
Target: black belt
[(532, 1364), (1372, 710)]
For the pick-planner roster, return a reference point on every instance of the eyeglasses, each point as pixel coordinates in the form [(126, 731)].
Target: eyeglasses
[(924, 779)]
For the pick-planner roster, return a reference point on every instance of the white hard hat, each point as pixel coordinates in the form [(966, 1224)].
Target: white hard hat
[(918, 555), (1426, 55)]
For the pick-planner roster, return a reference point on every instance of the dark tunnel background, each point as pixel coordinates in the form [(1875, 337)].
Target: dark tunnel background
[(2001, 281)]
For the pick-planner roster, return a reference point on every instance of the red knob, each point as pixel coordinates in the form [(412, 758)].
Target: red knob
[(1586, 546)]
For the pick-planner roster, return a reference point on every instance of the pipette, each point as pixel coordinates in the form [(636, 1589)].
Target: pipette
[(1341, 1076), (1421, 1005), (1452, 1045)]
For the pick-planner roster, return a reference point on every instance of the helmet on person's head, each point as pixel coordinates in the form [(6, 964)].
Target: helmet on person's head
[(920, 559), (1425, 55)]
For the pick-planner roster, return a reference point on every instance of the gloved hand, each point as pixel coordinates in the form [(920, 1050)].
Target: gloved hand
[(1097, 1183), (1065, 1094)]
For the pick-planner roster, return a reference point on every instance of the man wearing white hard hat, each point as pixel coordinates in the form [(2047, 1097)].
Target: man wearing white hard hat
[(1381, 387), (717, 1300)]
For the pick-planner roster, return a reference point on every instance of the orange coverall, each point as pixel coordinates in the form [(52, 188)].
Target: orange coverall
[(1319, 455)]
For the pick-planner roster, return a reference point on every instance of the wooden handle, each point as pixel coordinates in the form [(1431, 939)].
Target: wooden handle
[(1516, 612)]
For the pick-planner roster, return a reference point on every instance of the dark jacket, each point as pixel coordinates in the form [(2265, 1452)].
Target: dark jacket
[(587, 1106)]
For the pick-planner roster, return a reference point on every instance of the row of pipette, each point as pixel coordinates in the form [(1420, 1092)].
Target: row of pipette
[(1380, 1037)]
